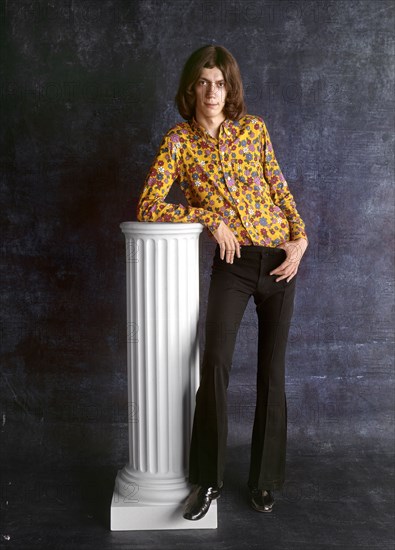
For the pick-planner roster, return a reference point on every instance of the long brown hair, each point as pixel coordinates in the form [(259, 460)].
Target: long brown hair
[(209, 57)]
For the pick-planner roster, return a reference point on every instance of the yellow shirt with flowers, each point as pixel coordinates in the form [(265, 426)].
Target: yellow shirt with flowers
[(235, 178)]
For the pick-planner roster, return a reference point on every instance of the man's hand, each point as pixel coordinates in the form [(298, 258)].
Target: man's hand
[(227, 241), (289, 267)]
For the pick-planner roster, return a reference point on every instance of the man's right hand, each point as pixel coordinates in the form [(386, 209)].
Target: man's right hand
[(228, 244)]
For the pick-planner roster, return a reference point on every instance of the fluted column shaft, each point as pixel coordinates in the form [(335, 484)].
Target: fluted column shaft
[(163, 362)]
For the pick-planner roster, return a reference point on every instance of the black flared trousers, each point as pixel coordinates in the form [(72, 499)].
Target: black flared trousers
[(231, 287)]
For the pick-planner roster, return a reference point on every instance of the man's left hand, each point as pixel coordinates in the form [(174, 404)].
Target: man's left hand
[(289, 267)]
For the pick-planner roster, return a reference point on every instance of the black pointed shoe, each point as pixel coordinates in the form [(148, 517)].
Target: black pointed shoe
[(261, 500), (199, 501)]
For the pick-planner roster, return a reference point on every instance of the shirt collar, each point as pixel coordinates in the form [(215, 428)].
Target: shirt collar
[(195, 125)]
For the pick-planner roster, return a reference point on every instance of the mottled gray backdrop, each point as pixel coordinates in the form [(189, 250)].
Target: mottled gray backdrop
[(87, 91)]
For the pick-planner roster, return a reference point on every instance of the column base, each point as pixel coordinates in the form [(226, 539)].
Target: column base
[(134, 516)]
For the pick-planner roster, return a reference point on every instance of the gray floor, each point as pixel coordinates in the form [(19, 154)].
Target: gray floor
[(343, 501), (59, 466)]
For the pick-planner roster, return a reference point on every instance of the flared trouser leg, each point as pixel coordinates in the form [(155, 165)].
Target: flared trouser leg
[(231, 287), (269, 435)]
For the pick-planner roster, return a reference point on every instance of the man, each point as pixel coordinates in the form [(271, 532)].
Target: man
[(223, 160)]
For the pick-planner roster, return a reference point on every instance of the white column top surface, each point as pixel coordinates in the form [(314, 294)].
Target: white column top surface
[(155, 228)]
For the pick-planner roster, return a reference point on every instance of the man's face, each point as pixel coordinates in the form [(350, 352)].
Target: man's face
[(210, 90)]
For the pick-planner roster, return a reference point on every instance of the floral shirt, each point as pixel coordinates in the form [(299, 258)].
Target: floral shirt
[(235, 178)]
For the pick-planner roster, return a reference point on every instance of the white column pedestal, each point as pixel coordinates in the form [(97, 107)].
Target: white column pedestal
[(163, 376)]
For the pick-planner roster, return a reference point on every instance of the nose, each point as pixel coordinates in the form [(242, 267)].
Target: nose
[(211, 86), (211, 91)]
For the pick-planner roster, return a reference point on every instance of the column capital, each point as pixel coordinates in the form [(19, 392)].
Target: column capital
[(161, 228)]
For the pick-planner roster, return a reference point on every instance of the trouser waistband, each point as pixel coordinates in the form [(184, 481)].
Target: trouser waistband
[(257, 248)]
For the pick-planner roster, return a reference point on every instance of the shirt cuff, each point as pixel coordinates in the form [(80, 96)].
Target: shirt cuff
[(212, 222), (298, 233)]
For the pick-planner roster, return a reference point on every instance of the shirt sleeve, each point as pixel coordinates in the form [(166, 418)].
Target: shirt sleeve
[(164, 171), (279, 190)]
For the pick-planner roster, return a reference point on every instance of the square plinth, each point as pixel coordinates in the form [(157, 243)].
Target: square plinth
[(133, 516)]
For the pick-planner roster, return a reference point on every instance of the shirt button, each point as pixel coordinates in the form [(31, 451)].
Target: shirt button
[(247, 224)]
